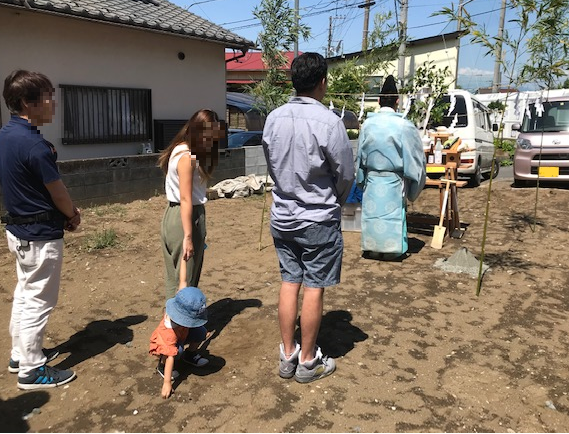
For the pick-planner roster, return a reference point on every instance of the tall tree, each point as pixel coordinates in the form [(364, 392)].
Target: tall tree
[(347, 81), (548, 46), (280, 31)]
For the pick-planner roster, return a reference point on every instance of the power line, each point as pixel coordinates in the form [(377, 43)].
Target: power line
[(308, 15)]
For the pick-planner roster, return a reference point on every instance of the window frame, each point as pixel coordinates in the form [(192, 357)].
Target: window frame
[(102, 114)]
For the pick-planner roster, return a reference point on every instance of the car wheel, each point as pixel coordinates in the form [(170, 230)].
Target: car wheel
[(476, 179), (495, 172)]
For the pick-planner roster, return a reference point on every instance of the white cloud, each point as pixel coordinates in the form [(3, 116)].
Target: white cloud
[(474, 71)]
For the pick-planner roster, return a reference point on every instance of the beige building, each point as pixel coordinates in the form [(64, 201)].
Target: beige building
[(119, 69), (442, 50)]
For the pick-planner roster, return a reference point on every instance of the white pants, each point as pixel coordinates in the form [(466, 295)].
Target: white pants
[(38, 267)]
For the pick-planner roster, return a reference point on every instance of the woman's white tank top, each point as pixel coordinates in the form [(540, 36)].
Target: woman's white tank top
[(172, 184)]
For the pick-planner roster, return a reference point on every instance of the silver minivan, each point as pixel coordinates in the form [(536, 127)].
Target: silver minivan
[(542, 148), (471, 122)]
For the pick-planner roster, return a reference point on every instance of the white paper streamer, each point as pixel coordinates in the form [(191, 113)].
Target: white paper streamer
[(517, 110), (361, 115), (454, 121), (452, 104), (528, 111), (407, 106), (539, 107), (343, 111)]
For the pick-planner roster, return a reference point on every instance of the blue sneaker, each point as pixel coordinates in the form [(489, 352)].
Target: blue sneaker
[(14, 365), (45, 377)]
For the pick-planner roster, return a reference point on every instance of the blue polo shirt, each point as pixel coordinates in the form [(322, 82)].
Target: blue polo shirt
[(27, 163)]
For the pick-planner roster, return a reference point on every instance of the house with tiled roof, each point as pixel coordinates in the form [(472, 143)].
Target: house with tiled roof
[(122, 69)]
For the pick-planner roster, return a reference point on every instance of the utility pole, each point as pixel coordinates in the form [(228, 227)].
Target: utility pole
[(296, 12), (402, 43), (329, 38), (461, 5), (458, 28), (496, 82), (368, 4)]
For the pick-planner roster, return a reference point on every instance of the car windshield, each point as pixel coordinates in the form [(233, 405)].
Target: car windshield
[(553, 119)]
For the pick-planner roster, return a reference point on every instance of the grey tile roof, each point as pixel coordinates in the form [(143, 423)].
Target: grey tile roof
[(158, 15)]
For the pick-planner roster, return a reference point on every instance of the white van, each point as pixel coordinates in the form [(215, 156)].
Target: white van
[(471, 121)]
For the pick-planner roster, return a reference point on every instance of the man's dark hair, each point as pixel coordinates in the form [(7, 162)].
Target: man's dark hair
[(307, 71), (24, 86)]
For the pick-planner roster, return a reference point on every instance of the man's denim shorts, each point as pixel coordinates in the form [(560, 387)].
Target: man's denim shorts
[(312, 255)]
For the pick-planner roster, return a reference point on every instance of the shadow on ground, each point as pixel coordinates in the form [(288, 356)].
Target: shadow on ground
[(221, 312), (337, 335), (14, 412), (96, 338)]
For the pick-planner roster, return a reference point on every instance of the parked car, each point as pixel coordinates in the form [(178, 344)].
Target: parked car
[(244, 138), (542, 146), (474, 128), (350, 119)]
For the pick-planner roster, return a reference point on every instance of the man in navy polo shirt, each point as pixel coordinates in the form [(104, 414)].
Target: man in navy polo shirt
[(39, 209)]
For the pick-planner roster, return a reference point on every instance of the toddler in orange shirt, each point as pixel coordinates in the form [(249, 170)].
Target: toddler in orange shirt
[(183, 323)]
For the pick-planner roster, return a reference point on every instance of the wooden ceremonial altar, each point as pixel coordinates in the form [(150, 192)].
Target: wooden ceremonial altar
[(448, 172)]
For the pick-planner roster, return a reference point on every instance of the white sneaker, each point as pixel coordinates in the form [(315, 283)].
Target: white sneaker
[(287, 367)]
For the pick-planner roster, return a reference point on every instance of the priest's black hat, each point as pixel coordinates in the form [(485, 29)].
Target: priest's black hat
[(389, 87)]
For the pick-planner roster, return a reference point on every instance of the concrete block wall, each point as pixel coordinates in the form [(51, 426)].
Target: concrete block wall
[(255, 162), (354, 144), (98, 181), (231, 164)]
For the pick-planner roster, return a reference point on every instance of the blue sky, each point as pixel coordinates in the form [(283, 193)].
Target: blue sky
[(475, 69)]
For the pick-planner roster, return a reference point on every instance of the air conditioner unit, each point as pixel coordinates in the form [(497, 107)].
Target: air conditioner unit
[(165, 131)]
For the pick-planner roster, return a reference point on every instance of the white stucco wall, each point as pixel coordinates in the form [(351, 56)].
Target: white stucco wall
[(80, 52)]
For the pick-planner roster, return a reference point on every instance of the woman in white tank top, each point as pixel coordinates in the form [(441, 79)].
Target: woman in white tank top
[(188, 163)]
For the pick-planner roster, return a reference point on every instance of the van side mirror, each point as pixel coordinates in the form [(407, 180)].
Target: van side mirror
[(516, 127), (495, 127)]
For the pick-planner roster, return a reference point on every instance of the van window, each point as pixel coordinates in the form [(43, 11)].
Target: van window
[(554, 118), (481, 116), (459, 109)]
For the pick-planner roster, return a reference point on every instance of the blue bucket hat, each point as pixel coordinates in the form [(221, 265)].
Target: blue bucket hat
[(188, 308)]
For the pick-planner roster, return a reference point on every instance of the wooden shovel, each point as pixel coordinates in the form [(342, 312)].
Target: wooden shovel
[(439, 232)]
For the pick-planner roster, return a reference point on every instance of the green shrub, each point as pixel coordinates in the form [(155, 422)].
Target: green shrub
[(507, 148), (353, 134)]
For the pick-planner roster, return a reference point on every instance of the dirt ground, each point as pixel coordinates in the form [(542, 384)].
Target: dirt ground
[(416, 350)]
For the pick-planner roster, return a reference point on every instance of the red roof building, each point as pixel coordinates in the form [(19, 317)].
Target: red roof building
[(248, 69)]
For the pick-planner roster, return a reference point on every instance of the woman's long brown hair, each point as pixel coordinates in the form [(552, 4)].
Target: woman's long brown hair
[(204, 126)]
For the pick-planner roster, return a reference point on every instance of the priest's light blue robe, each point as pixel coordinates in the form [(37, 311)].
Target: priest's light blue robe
[(390, 168)]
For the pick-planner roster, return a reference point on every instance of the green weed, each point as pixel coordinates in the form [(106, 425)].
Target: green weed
[(101, 240), (110, 209)]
